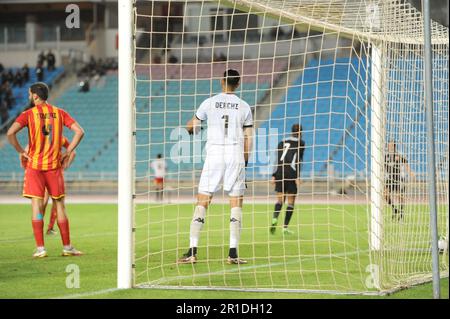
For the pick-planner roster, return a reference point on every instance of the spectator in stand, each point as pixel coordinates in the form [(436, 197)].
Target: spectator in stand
[(92, 64), (4, 114), (157, 59), (3, 88), (99, 68), (219, 57), (40, 73), (173, 59), (92, 72), (9, 97), (18, 79), (111, 64), (7, 100), (26, 73), (9, 76), (3, 78), (51, 61), (84, 86), (6, 95), (41, 58)]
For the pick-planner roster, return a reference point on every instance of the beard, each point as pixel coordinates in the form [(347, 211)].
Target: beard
[(30, 103)]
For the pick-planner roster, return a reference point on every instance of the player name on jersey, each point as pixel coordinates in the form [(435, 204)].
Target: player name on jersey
[(45, 116), (225, 105), (226, 115)]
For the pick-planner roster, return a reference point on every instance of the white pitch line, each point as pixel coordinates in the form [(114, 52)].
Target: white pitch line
[(185, 199), (240, 268), (105, 291)]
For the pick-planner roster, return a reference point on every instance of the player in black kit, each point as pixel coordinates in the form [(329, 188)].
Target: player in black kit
[(395, 182), (287, 175)]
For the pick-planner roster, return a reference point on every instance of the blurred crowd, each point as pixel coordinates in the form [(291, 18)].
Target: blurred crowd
[(166, 56), (17, 77), (93, 71), (8, 80), (43, 59)]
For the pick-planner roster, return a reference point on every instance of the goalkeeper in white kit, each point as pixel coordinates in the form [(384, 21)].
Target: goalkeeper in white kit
[(230, 128)]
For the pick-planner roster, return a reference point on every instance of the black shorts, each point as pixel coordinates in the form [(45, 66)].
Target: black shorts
[(395, 186), (286, 187)]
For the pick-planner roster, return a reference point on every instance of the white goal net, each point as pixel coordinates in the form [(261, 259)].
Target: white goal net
[(351, 73)]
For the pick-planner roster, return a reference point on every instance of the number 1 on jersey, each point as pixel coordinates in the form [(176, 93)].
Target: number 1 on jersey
[(226, 118)]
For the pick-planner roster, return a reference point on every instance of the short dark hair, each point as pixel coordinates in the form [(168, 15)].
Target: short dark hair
[(297, 128), (40, 89), (159, 156), (232, 77)]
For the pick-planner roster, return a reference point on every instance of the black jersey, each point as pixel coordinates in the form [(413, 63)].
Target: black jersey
[(393, 163), (289, 158)]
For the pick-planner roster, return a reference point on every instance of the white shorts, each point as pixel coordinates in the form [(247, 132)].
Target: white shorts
[(223, 163)]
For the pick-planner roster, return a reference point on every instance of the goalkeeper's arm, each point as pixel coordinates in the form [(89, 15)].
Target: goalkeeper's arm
[(193, 125), (248, 141), (408, 168)]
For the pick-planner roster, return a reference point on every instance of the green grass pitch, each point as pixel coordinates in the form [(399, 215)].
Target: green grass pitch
[(94, 231)]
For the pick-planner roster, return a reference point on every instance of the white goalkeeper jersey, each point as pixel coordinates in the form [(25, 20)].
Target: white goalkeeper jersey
[(226, 115)]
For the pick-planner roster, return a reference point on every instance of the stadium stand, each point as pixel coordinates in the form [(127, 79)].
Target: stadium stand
[(21, 100), (21, 93), (332, 123), (336, 124), (176, 91), (96, 111), (173, 101)]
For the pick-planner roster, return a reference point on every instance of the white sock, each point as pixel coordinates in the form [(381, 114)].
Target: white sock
[(196, 225), (235, 226), (40, 248), (67, 247)]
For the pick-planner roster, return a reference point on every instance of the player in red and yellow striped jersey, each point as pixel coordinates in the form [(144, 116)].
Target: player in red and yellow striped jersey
[(45, 161), (53, 213)]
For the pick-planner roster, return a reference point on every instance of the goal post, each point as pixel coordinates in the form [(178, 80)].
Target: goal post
[(352, 74), (126, 145), (431, 165), (376, 150)]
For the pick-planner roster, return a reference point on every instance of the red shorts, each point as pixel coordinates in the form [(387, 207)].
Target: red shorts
[(159, 180), (35, 182)]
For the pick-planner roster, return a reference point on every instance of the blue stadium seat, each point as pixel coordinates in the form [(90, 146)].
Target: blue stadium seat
[(324, 99)]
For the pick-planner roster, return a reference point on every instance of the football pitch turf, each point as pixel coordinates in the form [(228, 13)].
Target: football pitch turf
[(94, 231)]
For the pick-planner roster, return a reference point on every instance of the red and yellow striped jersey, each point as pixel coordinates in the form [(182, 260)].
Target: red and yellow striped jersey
[(45, 133)]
